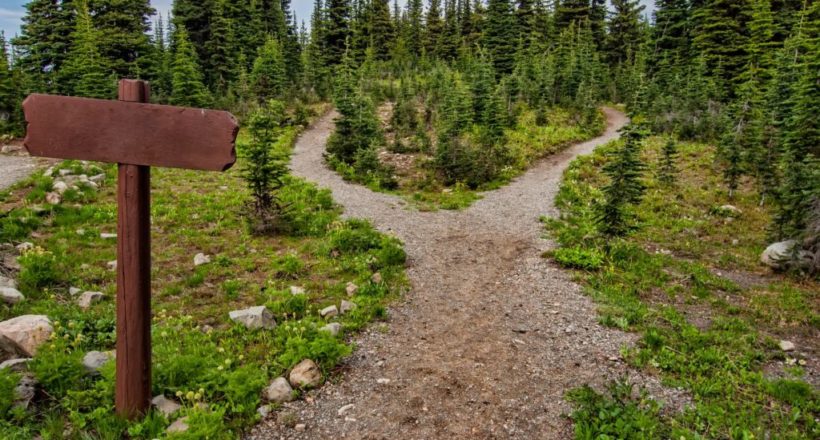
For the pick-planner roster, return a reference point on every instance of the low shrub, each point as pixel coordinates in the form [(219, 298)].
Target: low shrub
[(579, 258)]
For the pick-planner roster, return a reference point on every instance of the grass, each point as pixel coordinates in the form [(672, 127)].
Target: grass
[(421, 186), (200, 356), (688, 280)]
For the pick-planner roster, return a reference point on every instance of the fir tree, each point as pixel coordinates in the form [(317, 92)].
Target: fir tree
[(571, 11), (188, 88), (415, 27), (221, 49), (268, 75), (84, 73), (625, 31), (44, 42), (336, 30), (625, 188), (720, 38), (123, 27), (8, 95), (667, 169), (499, 35), (434, 28)]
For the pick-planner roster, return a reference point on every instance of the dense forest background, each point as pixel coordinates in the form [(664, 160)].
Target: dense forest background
[(742, 74)]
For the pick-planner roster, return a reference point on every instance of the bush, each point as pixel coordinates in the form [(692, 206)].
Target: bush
[(616, 414), (38, 269), (579, 258)]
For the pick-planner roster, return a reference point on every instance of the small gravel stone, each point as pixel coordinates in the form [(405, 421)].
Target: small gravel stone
[(383, 381), (263, 410), (53, 198), (300, 427), (112, 265), (376, 278), (24, 246)]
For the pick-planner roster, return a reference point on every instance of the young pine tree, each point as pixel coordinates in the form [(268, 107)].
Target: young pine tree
[(268, 74), (188, 89), (84, 73), (625, 170), (667, 168)]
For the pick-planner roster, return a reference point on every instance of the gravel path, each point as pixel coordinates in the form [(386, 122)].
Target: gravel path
[(489, 338)]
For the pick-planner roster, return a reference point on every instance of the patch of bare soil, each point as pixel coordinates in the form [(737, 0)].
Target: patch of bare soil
[(490, 336)]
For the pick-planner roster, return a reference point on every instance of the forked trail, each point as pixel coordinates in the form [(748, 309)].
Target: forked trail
[(491, 335)]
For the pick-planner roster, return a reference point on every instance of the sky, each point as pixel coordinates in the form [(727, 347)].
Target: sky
[(11, 12)]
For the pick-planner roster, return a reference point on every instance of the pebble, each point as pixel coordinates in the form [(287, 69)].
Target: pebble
[(300, 427), (376, 278), (74, 291), (24, 246), (7, 282), (59, 187), (263, 410), (112, 265), (180, 425), (383, 381), (53, 198)]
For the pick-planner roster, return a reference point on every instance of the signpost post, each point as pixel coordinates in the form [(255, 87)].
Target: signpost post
[(136, 136)]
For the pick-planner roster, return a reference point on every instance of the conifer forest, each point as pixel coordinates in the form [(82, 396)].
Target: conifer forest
[(634, 190)]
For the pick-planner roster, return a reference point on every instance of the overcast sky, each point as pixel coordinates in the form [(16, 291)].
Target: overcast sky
[(11, 12)]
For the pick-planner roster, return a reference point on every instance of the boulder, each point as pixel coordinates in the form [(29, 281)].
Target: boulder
[(347, 307), (334, 328), (787, 345), (279, 391), (351, 289), (10, 295), (27, 332), (783, 254), (329, 311), (200, 259), (254, 317), (7, 282), (53, 198), (94, 360), (165, 406), (305, 374), (87, 299), (16, 365)]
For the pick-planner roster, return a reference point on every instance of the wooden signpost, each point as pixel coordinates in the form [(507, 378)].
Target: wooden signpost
[(136, 136)]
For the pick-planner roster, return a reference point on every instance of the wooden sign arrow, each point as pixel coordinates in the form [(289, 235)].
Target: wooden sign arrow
[(136, 136)]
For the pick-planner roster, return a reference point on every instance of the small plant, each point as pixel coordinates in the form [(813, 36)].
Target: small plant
[(266, 168), (667, 169), (579, 258), (625, 170), (38, 269), (616, 414)]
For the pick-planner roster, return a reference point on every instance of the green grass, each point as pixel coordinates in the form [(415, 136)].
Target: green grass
[(528, 142), (670, 281), (199, 354)]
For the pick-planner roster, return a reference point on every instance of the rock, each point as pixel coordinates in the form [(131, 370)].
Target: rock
[(7, 282), (74, 291), (731, 210), (787, 345), (782, 254), (376, 278), (27, 332), (112, 265), (16, 365), (65, 172), (107, 235), (305, 374), (279, 391), (351, 289), (383, 381), (329, 311), (10, 261), (347, 307), (254, 317), (344, 410), (24, 246), (10, 295), (48, 172), (200, 259), (179, 425), (334, 328), (59, 187), (165, 406), (263, 410), (97, 179), (296, 290), (53, 198), (300, 427), (87, 299), (94, 360), (10, 149), (24, 392)]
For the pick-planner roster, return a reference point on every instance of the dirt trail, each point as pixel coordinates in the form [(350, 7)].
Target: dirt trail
[(491, 335)]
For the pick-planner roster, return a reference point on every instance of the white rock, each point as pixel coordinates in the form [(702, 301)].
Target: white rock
[(48, 172), (734, 210), (16, 365), (107, 235), (329, 311), (10, 295), (383, 381), (24, 246), (346, 307), (296, 290), (112, 265), (9, 149), (305, 374), (87, 299), (59, 187), (351, 289), (781, 254), (254, 317), (74, 291), (7, 282), (165, 406), (27, 332), (334, 328), (94, 360), (263, 410), (279, 391), (65, 172), (787, 345), (376, 278), (345, 409), (200, 259), (300, 427), (53, 198), (179, 425), (97, 179)]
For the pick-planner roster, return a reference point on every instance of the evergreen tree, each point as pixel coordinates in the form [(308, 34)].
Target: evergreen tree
[(415, 27), (720, 38), (221, 49), (667, 169), (381, 32), (83, 73), (188, 88), (268, 75), (571, 11), (123, 28), (499, 35), (44, 42), (625, 188), (671, 33), (8, 95), (336, 30), (434, 28), (625, 31)]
